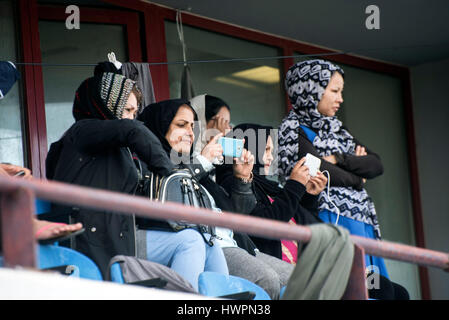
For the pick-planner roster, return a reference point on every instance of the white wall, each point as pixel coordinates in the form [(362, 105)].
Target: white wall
[(430, 90)]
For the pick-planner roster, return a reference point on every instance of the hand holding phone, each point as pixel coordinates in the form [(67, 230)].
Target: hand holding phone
[(231, 147), (20, 174), (313, 163)]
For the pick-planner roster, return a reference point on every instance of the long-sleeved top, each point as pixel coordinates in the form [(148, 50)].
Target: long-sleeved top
[(291, 201), (350, 169)]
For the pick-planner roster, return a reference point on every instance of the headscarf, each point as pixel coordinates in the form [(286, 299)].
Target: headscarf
[(199, 105), (255, 142), (158, 116), (102, 97), (306, 82)]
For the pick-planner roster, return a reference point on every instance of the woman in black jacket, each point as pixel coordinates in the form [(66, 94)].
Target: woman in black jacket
[(297, 200), (100, 150)]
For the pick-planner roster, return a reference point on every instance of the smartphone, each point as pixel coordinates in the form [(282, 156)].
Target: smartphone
[(231, 147), (313, 163), (20, 174)]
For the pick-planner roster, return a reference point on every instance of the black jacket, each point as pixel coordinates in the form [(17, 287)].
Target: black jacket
[(292, 201), (99, 154)]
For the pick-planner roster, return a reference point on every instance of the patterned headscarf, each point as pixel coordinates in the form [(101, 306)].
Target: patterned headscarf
[(102, 97), (306, 82)]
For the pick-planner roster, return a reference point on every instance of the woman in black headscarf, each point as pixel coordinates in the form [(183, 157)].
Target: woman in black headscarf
[(97, 151), (172, 122), (296, 200)]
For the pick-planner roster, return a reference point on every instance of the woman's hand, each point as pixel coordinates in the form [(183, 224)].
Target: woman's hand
[(360, 151), (330, 159), (221, 124), (300, 172), (316, 184), (213, 149), (243, 166), (12, 170)]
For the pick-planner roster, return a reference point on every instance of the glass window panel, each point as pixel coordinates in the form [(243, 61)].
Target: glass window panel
[(372, 98), (251, 88), (88, 45), (11, 137)]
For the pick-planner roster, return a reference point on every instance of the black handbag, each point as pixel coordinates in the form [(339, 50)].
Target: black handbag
[(180, 187)]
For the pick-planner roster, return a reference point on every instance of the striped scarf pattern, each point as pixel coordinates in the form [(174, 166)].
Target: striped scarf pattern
[(115, 91)]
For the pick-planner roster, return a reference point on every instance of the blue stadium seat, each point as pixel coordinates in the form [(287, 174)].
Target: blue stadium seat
[(281, 293), (116, 273), (42, 206), (213, 284), (50, 256)]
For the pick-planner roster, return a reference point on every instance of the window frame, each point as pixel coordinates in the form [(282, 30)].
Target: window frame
[(30, 15)]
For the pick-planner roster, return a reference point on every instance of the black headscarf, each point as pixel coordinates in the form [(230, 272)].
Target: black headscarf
[(157, 117), (263, 186), (103, 96)]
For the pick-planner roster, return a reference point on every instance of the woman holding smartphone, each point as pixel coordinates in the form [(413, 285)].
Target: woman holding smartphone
[(315, 89), (173, 122)]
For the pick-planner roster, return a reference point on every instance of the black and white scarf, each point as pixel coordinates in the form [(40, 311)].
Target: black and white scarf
[(103, 96), (306, 82)]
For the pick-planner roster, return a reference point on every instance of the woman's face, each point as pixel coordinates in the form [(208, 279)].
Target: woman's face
[(180, 134), (130, 110), (222, 113), (268, 155), (332, 96)]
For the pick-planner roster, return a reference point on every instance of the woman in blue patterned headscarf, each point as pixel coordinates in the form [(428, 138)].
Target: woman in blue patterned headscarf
[(315, 91)]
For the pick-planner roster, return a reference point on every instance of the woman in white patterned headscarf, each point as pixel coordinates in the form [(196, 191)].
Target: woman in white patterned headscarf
[(315, 90)]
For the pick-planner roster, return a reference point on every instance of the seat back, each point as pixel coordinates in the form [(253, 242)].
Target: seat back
[(281, 293), (42, 206), (116, 273), (53, 256), (215, 284)]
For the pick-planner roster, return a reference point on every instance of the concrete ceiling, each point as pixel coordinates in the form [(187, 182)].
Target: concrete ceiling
[(412, 32)]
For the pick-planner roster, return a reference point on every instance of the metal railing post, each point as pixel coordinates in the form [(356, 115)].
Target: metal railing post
[(356, 288), (16, 214)]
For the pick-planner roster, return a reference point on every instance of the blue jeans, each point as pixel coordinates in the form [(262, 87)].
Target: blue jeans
[(186, 253)]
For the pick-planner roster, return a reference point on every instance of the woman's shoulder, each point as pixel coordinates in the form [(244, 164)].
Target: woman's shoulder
[(307, 132)]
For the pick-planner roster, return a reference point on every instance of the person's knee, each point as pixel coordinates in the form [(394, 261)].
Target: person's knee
[(189, 239), (271, 283)]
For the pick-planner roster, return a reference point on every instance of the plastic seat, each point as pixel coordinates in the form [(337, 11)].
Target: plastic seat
[(54, 256), (213, 284), (116, 273), (281, 293), (42, 206)]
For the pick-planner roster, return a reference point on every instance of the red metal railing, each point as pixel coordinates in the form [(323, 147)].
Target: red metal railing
[(17, 208)]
